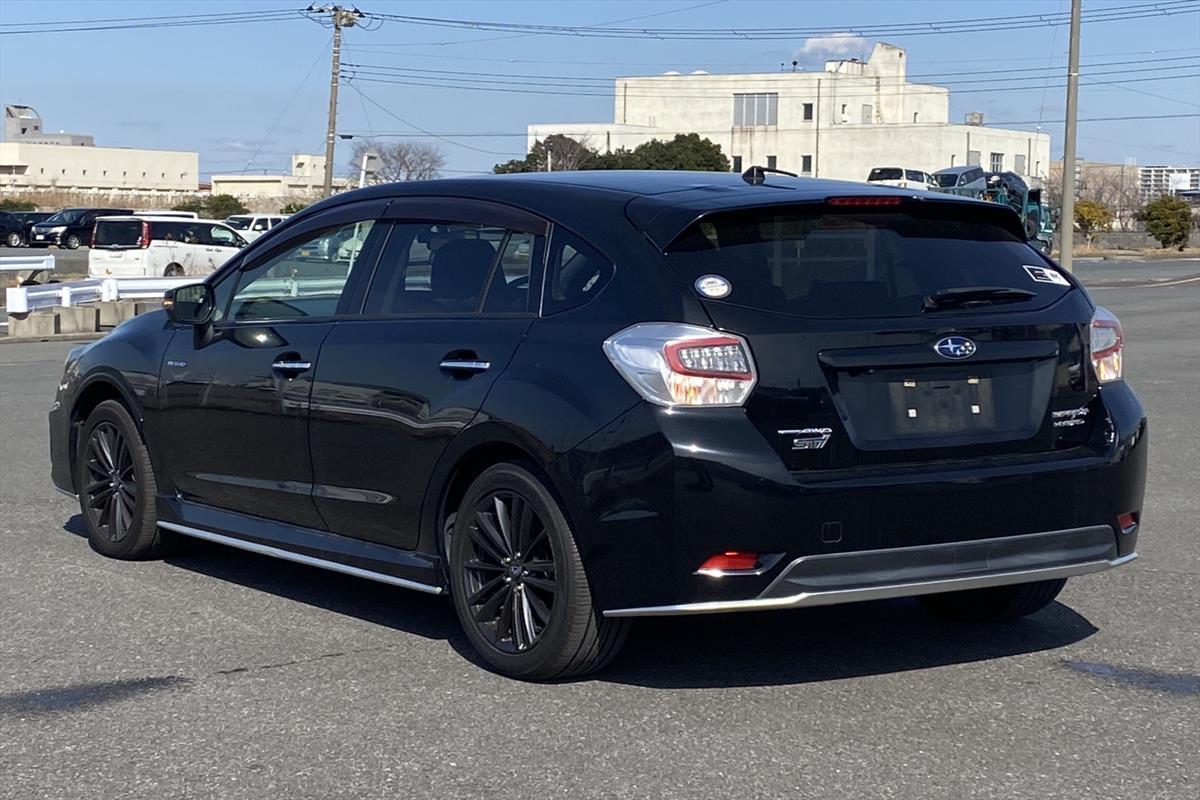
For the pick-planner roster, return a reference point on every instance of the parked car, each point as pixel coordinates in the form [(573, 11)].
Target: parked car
[(12, 230), (70, 227), (902, 178), (252, 226), (152, 246), (28, 219), (572, 399), (969, 180)]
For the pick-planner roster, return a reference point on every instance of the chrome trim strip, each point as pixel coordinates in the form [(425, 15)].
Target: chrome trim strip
[(806, 599), (299, 558), (292, 366)]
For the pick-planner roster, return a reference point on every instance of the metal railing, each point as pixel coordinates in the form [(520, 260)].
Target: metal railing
[(32, 264), (23, 299)]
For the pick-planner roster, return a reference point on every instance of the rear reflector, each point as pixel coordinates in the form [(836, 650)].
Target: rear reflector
[(1128, 522), (885, 200), (730, 560)]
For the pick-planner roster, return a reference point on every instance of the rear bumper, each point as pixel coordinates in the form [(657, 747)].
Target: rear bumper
[(834, 578)]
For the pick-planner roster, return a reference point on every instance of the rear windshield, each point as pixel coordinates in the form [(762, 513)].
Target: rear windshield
[(947, 179), (823, 262), (123, 233), (885, 174)]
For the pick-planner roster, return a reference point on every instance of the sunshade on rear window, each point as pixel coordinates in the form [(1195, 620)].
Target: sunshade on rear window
[(822, 261)]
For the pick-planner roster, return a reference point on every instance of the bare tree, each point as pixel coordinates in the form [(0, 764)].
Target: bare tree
[(399, 161)]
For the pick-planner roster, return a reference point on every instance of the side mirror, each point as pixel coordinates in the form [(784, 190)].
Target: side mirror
[(190, 305)]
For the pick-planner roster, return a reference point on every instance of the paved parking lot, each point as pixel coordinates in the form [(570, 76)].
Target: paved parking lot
[(217, 673)]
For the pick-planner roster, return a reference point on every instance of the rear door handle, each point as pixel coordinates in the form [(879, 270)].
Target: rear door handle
[(287, 365), (465, 365)]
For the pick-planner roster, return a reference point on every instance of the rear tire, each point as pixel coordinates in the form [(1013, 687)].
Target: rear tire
[(14, 239), (173, 271), (116, 485), (518, 583), (72, 242), (994, 604)]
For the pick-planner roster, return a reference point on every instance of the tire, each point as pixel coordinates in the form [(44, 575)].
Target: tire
[(120, 517), (72, 242), (514, 592), (994, 604), (13, 239), (172, 271)]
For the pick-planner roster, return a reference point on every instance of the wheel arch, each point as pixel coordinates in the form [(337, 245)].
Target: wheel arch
[(93, 391)]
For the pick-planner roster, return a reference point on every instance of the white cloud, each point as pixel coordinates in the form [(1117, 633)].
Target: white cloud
[(834, 45)]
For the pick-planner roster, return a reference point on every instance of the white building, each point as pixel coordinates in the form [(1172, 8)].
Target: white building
[(1156, 181), (837, 123), (305, 182), (32, 160)]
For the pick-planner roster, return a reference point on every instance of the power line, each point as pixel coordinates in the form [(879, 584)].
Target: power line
[(926, 28), (430, 134), (136, 23)]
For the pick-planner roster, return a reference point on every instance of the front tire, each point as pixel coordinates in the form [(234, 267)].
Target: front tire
[(994, 604), (518, 583), (72, 242), (116, 485)]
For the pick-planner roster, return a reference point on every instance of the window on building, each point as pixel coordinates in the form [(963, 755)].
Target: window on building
[(164, 175), (997, 162), (103, 173), (123, 173), (972, 157), (808, 112), (85, 172), (867, 117), (737, 163), (1019, 164), (915, 114), (41, 170), (143, 174), (750, 110), (806, 165), (64, 172), (845, 118), (771, 162)]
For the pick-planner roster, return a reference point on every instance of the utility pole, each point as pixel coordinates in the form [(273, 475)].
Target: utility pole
[(341, 18), (1067, 219)]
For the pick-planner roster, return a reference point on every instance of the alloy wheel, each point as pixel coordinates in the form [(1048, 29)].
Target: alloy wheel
[(111, 487), (510, 572)]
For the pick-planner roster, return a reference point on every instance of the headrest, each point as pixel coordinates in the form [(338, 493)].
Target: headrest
[(460, 267)]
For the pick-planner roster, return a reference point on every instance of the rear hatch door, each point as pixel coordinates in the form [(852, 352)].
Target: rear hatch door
[(897, 332)]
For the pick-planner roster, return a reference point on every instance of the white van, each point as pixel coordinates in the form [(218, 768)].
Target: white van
[(903, 178), (252, 226), (154, 246)]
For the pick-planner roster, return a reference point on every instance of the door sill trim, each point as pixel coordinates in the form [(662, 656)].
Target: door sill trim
[(299, 558)]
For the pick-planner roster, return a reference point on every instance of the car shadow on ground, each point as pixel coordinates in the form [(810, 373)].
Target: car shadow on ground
[(753, 649)]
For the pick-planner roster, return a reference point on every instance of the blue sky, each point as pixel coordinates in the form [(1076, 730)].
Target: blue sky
[(239, 93)]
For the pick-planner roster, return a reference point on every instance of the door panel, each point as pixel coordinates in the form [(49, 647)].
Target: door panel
[(384, 410), (234, 427)]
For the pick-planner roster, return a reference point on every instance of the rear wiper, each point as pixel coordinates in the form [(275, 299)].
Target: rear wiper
[(973, 296)]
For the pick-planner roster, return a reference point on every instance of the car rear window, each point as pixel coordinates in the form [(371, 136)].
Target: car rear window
[(852, 262), (119, 233), (885, 174)]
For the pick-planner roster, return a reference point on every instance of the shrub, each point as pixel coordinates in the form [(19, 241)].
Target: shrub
[(1091, 216), (1168, 220)]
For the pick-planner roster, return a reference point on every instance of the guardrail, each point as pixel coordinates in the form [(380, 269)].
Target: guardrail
[(34, 264), (23, 299)]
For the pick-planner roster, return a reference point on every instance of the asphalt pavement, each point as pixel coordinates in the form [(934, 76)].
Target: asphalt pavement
[(217, 673)]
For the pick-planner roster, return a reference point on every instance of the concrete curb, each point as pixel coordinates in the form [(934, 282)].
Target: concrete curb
[(62, 337)]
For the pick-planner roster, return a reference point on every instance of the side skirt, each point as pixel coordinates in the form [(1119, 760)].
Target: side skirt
[(314, 548)]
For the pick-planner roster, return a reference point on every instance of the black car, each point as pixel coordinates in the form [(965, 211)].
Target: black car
[(12, 230), (70, 227), (28, 219), (572, 399)]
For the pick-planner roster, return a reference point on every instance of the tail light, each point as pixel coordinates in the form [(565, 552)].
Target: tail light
[(867, 200), (1107, 345), (144, 242), (672, 364), (729, 561)]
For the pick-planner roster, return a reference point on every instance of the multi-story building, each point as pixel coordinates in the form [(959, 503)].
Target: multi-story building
[(837, 123), (34, 161), (1156, 181)]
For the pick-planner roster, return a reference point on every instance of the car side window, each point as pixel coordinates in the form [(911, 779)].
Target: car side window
[(260, 224), (305, 279), (221, 237), (577, 272), (444, 267)]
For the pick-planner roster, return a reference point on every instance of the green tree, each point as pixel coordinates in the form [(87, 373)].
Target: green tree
[(9, 204), (1091, 216), (294, 207), (1168, 220), (220, 206), (194, 204), (557, 152), (687, 151)]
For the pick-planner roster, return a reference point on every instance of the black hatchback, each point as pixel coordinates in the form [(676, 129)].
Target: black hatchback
[(568, 400)]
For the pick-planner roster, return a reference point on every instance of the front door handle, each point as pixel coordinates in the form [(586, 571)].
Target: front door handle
[(465, 365)]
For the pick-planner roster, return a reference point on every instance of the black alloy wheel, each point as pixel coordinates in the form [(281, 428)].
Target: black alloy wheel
[(111, 491), (511, 572), (73, 242)]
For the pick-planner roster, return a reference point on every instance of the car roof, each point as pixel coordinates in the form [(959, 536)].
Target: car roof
[(660, 202), (957, 170), (156, 218)]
